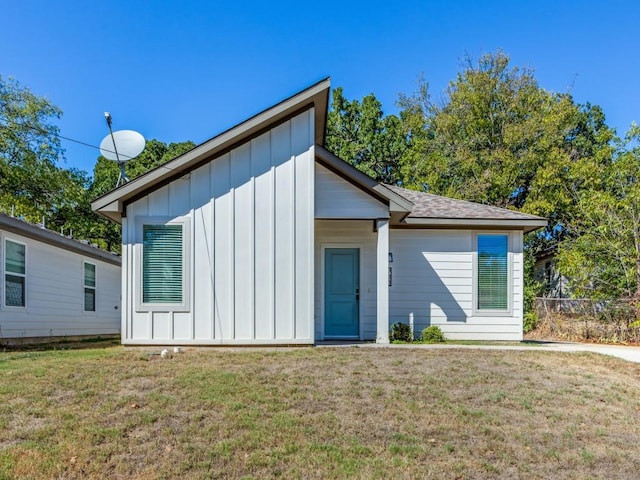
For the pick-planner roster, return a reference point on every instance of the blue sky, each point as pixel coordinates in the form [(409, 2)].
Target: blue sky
[(188, 70)]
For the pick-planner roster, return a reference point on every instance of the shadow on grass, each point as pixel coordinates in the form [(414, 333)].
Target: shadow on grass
[(62, 344)]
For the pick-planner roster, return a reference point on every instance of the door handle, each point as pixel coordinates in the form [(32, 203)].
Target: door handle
[(357, 294)]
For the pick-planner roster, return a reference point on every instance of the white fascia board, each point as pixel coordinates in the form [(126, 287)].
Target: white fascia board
[(526, 225)]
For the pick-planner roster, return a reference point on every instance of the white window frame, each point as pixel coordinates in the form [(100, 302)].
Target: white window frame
[(94, 288), (5, 273), (493, 312), (184, 306)]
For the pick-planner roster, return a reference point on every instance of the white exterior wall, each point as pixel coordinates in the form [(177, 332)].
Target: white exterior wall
[(251, 231), (54, 294), (337, 198), (433, 278)]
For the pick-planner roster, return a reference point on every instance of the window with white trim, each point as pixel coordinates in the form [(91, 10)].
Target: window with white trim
[(89, 287), (162, 264), (492, 272), (15, 273)]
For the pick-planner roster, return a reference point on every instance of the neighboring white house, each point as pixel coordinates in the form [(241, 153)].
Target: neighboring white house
[(545, 271), (54, 286), (261, 236)]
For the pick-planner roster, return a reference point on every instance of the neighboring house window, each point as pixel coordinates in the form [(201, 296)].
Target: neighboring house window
[(15, 273), (89, 287), (162, 264), (492, 272), (547, 278)]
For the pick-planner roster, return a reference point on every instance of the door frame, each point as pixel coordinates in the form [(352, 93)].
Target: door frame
[(323, 247)]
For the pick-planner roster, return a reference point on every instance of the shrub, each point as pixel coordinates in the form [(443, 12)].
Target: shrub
[(400, 332), (432, 334), (530, 321)]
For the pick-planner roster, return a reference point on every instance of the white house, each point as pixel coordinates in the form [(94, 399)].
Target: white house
[(54, 286), (261, 236)]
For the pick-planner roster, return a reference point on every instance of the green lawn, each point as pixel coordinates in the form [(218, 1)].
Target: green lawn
[(318, 413)]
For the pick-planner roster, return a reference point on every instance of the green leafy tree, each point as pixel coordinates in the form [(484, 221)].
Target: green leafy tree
[(360, 133), (488, 139), (601, 254), (32, 184)]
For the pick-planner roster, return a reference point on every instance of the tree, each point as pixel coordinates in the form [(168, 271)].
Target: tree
[(601, 254), (487, 139), (359, 133), (32, 184)]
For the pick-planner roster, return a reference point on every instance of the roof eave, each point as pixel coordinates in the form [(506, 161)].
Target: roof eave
[(316, 96), (527, 225), (49, 237)]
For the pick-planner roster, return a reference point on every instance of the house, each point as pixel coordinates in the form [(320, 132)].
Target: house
[(54, 286), (545, 271), (262, 236)]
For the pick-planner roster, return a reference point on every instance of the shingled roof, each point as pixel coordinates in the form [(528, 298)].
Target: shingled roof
[(444, 211)]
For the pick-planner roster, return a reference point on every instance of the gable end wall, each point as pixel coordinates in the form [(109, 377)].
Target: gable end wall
[(250, 218)]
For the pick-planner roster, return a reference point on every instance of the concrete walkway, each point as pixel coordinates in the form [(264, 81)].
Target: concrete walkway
[(631, 354)]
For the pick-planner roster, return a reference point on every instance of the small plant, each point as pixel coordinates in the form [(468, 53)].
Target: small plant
[(530, 321), (400, 332), (432, 334)]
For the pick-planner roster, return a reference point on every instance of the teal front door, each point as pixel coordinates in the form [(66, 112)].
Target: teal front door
[(341, 292)]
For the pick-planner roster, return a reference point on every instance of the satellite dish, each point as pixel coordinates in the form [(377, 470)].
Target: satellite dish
[(122, 146)]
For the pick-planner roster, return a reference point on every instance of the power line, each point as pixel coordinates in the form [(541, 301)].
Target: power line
[(55, 134), (58, 135)]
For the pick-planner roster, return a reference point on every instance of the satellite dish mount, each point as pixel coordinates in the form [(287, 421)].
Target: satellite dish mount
[(121, 146)]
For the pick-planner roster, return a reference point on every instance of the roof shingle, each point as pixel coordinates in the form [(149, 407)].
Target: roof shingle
[(427, 205)]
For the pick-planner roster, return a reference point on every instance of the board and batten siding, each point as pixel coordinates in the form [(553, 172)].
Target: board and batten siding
[(251, 238), (433, 272), (54, 294)]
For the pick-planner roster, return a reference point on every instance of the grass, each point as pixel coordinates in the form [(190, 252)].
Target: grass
[(317, 413)]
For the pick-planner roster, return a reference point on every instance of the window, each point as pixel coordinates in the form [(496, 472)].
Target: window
[(162, 264), (14, 274), (89, 287), (492, 272)]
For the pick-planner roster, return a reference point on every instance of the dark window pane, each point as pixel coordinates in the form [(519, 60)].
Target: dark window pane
[(89, 300), (15, 254), (89, 275), (14, 290)]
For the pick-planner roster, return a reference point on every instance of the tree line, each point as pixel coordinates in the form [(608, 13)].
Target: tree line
[(496, 137)]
